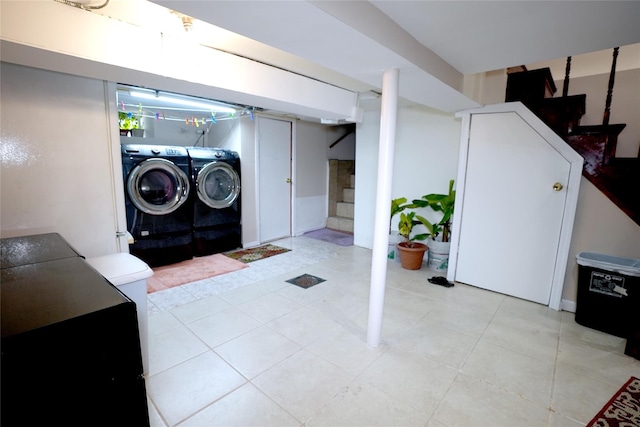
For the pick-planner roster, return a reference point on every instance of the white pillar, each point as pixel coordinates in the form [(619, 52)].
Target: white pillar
[(388, 118)]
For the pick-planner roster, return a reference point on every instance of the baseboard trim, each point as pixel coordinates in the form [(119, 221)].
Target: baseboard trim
[(250, 244), (307, 229), (567, 305)]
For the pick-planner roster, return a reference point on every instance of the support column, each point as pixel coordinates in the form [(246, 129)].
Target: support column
[(388, 118)]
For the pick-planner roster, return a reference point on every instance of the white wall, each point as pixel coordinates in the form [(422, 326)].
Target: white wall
[(57, 168), (599, 227), (345, 149), (426, 158), (311, 177), (248, 178)]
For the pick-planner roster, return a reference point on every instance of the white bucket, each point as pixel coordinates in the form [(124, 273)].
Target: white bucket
[(438, 255)]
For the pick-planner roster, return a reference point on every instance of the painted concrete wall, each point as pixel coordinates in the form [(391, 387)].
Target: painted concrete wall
[(426, 158), (57, 173), (311, 177), (599, 227)]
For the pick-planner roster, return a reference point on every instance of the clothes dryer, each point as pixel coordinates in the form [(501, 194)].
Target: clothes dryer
[(159, 216), (216, 202)]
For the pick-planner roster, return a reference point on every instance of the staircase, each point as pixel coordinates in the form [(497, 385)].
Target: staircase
[(618, 178), (341, 195)]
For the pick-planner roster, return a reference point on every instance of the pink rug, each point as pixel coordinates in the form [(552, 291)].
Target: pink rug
[(169, 276)]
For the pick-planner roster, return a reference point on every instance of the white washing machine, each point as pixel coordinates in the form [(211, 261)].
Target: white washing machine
[(129, 274)]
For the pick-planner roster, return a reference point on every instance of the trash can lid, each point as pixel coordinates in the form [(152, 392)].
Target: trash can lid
[(121, 268), (628, 266)]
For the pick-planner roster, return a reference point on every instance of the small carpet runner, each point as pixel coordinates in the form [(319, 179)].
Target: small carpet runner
[(623, 410), (255, 254), (169, 276)]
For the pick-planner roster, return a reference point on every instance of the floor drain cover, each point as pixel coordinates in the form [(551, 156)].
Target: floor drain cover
[(305, 281)]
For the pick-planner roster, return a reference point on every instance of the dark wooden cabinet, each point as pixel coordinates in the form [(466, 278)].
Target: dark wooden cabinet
[(70, 344)]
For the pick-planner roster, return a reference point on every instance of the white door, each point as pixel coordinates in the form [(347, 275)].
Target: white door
[(512, 208), (274, 178)]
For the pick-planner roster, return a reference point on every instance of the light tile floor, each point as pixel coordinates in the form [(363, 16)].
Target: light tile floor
[(249, 349)]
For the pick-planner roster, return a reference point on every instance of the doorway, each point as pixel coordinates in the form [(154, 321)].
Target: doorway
[(515, 212), (274, 146)]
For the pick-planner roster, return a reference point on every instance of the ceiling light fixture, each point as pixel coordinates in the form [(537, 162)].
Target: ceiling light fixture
[(206, 106)]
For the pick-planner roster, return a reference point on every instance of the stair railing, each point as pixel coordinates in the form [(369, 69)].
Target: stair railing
[(567, 70), (612, 78)]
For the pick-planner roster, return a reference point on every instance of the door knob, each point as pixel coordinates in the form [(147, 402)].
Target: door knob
[(557, 186), (288, 181)]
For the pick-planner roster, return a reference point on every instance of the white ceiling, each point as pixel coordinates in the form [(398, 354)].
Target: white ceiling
[(433, 43)]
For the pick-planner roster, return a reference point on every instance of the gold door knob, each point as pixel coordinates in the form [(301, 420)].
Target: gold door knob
[(557, 186), (288, 181)]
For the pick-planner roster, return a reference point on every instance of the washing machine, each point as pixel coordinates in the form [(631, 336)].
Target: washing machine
[(157, 190), (215, 175)]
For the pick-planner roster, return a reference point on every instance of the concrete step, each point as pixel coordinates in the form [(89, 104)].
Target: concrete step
[(340, 224), (344, 209), (348, 195)]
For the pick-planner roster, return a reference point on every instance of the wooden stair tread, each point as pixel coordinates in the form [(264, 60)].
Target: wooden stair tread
[(614, 129), (617, 178), (561, 114), (620, 181)]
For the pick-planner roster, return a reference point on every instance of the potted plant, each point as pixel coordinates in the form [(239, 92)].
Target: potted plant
[(129, 124), (397, 206), (411, 251), (439, 244)]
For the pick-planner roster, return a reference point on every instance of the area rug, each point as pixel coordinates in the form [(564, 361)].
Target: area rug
[(169, 276), (623, 410), (331, 236), (257, 253), (305, 281)]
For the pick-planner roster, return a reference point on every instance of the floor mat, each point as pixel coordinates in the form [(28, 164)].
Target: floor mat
[(305, 281), (331, 236), (623, 409), (169, 276), (257, 253)]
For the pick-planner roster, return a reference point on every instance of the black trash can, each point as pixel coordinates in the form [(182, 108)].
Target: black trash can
[(608, 293)]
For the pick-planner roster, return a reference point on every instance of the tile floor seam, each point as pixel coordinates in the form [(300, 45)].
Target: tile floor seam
[(207, 405), (158, 411), (555, 372), (461, 371), (264, 370)]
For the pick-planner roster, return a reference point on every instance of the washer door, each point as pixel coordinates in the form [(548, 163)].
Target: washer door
[(218, 185), (157, 186)]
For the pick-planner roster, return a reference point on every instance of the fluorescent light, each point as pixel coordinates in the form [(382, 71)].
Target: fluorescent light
[(185, 102)]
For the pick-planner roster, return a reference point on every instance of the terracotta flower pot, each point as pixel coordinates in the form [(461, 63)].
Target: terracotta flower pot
[(411, 254)]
